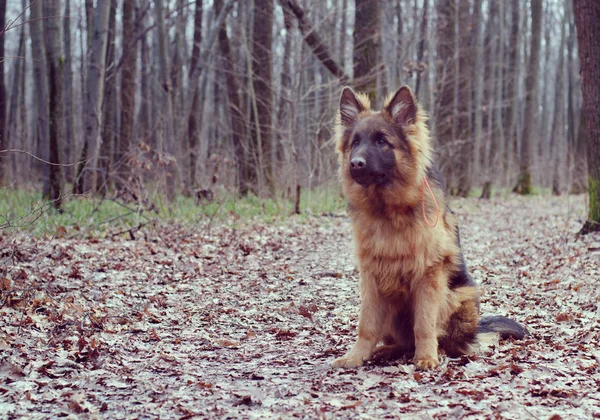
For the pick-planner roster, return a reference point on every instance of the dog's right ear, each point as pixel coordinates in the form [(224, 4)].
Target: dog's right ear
[(350, 107)]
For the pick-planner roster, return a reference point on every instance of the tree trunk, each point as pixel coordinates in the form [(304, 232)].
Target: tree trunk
[(464, 158), (55, 66), (238, 128), (166, 142), (68, 92), (40, 77), (587, 16), (3, 128), (557, 124), (262, 90), (193, 126), (94, 94), (421, 48), (367, 46), (128, 90), (478, 87), (109, 127), (524, 182), (512, 88), (444, 111)]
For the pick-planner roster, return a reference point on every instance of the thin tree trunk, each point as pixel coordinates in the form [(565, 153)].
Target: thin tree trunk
[(367, 46), (55, 66), (587, 16), (444, 112), (3, 128), (193, 126), (478, 73), (422, 46), (166, 140), (512, 79), (68, 91), (464, 158), (235, 107), (109, 126), (524, 183), (40, 78), (94, 94), (128, 90), (263, 89), (556, 131)]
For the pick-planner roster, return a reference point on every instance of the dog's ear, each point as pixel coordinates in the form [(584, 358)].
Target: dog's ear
[(402, 107), (350, 107)]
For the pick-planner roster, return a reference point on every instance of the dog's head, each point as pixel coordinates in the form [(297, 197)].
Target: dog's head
[(383, 153)]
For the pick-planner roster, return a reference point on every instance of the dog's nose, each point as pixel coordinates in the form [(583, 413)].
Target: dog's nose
[(358, 166), (358, 163)]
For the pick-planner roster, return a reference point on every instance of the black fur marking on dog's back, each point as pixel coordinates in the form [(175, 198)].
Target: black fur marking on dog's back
[(435, 177), (504, 326)]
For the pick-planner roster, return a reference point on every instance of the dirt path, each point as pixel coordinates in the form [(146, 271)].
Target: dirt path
[(244, 323)]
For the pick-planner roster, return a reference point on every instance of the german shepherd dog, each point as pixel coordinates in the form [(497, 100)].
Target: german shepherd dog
[(416, 293)]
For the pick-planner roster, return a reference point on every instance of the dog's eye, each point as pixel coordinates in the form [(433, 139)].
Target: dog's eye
[(381, 141), (354, 142)]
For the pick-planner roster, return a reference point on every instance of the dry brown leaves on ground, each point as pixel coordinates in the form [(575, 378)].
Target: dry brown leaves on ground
[(244, 323)]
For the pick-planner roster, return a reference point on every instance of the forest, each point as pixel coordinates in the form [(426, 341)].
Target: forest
[(174, 239)]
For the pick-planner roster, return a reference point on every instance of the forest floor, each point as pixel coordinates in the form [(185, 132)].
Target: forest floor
[(243, 323)]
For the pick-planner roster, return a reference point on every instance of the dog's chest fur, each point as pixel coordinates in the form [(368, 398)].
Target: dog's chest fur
[(395, 256)]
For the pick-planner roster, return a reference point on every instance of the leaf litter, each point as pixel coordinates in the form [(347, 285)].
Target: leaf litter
[(244, 323)]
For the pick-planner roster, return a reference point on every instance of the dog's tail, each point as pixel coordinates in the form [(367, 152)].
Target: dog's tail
[(503, 326)]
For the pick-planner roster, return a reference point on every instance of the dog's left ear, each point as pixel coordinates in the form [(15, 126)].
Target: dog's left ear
[(402, 107)]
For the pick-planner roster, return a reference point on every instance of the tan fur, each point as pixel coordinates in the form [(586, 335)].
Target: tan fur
[(405, 265)]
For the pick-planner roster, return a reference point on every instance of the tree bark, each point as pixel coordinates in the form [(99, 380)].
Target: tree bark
[(557, 121), (3, 128), (166, 140), (464, 159), (367, 46), (262, 109), (55, 72), (128, 89), (40, 77), (524, 182), (421, 47), (94, 94), (512, 88), (444, 110), (68, 91), (587, 16), (109, 127), (236, 114), (478, 86), (193, 129)]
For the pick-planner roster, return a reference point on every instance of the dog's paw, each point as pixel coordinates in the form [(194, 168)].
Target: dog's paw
[(427, 363), (348, 361)]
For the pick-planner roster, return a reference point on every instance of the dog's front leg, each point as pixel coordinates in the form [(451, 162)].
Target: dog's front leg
[(428, 298), (373, 315)]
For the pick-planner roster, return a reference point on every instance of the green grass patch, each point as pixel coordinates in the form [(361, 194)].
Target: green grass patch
[(25, 210)]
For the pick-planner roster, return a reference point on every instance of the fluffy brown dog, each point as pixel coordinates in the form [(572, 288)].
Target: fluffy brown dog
[(416, 293)]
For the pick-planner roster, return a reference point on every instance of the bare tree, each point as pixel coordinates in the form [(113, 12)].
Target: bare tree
[(40, 78), (128, 87), (367, 46), (262, 92), (3, 128), (94, 94), (68, 89), (55, 72), (446, 75), (524, 182), (166, 140), (587, 16)]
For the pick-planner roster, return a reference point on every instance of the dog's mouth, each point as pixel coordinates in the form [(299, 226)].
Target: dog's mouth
[(370, 179)]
